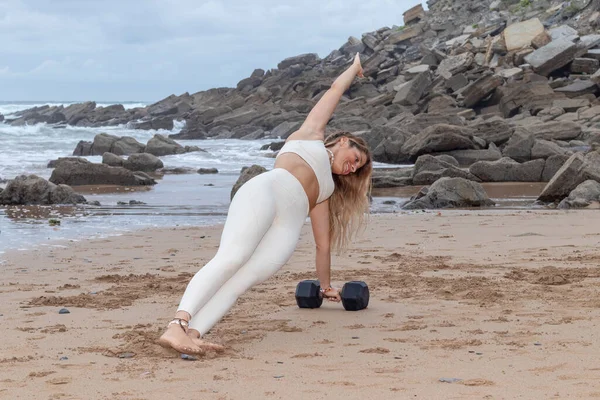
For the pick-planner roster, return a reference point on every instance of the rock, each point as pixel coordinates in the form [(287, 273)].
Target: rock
[(563, 32), (207, 171), (468, 157), (582, 196), (508, 170), (521, 34), (247, 174), (549, 114), (593, 53), (450, 193), (438, 138), (83, 148), (33, 190), (495, 131), (419, 123), (457, 82), (386, 143), (83, 172), (455, 64), (273, 146), (544, 149), (103, 143), (570, 105), (414, 14), (162, 146), (112, 160), (479, 89), (519, 145), (411, 92), (533, 96), (578, 88), (585, 66), (552, 56), (143, 162), (515, 73), (64, 311), (555, 130), (302, 59), (553, 164), (588, 113), (565, 180), (392, 178), (541, 40), (126, 145), (429, 169), (404, 34), (285, 129), (176, 171)]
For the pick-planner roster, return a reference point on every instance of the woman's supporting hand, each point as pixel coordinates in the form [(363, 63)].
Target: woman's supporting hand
[(332, 294)]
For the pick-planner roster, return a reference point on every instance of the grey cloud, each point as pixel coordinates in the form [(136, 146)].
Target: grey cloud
[(148, 49)]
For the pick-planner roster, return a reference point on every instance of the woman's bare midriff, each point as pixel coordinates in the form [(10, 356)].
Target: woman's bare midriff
[(295, 165)]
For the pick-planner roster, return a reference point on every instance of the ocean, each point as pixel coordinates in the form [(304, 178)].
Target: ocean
[(177, 200)]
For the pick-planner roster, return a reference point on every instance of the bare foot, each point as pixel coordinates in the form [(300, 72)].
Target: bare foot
[(176, 338), (194, 335)]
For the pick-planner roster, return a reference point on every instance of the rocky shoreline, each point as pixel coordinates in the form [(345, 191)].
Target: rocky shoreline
[(469, 92)]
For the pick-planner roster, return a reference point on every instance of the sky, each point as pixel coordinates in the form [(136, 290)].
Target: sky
[(145, 50)]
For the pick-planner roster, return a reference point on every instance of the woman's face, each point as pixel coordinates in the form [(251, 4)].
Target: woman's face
[(347, 159)]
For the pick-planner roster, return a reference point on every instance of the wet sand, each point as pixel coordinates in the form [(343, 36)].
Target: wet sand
[(502, 304)]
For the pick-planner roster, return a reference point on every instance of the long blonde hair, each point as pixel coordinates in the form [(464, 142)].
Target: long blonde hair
[(349, 202)]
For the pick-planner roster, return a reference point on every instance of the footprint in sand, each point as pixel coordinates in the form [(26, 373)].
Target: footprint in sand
[(477, 382), (375, 350)]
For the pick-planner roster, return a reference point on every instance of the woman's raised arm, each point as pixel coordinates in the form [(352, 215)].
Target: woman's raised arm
[(314, 125)]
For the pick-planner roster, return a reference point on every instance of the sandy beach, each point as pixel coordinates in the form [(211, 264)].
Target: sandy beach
[(494, 304)]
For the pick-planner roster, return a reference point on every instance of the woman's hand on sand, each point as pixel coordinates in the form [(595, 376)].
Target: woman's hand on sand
[(332, 294), (357, 63)]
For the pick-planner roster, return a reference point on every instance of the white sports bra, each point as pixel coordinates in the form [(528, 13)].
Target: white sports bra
[(316, 156)]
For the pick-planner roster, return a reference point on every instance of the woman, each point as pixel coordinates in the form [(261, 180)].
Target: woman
[(267, 214)]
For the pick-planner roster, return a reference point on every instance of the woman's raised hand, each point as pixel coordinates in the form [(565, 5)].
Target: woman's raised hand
[(359, 72)]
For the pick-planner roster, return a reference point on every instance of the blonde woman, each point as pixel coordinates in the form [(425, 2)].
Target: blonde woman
[(327, 179)]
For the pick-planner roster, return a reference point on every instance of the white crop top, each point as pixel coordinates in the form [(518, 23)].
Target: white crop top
[(317, 157)]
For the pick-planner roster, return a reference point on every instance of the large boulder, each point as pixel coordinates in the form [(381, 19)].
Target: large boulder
[(582, 196), (429, 169), (508, 170), (552, 56), (82, 172), (555, 130), (553, 165), (450, 193), (246, 174), (438, 138), (386, 143), (545, 148), (519, 145), (143, 162), (160, 145), (105, 143), (33, 190), (566, 179), (112, 160), (495, 131)]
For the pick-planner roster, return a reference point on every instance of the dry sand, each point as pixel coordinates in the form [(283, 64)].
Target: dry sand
[(505, 301)]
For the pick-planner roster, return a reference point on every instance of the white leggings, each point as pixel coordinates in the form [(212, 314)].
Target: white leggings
[(260, 234)]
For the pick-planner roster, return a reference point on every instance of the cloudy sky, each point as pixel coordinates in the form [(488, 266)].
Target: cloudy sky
[(145, 50)]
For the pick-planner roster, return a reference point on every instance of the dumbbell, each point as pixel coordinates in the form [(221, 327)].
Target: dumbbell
[(354, 294)]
